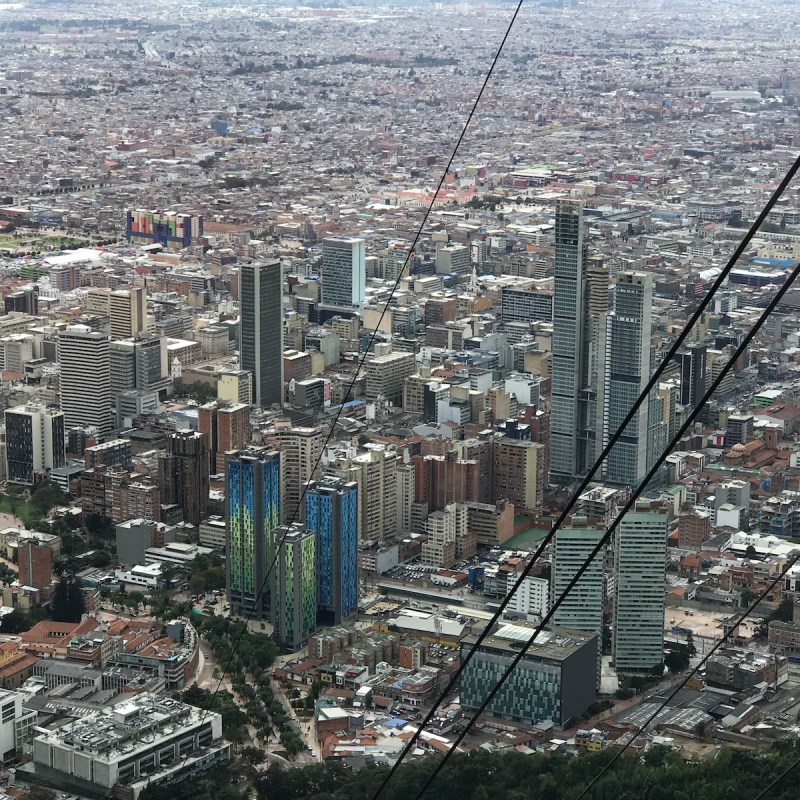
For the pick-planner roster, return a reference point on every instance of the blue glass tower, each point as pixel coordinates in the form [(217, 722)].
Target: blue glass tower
[(252, 513), (331, 511)]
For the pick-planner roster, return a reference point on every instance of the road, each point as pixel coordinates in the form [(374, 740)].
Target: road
[(306, 729)]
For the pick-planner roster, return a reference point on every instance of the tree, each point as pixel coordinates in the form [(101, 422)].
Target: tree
[(784, 612), (676, 661), (68, 604)]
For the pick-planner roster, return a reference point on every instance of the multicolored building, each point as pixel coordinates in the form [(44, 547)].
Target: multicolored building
[(332, 514), (168, 228), (294, 586), (252, 505)]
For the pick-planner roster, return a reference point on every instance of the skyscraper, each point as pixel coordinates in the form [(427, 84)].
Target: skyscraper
[(331, 511), (302, 449), (624, 374), (85, 378), (570, 363), (582, 608), (343, 274), (693, 373), (294, 586), (183, 474), (261, 348), (252, 513), (34, 442), (640, 559), (127, 309)]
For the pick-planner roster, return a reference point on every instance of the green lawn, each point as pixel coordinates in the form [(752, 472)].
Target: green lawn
[(19, 508)]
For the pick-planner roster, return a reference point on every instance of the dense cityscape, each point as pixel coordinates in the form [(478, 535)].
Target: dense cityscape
[(334, 453)]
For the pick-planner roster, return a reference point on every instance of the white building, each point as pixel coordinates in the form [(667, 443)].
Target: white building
[(344, 273), (34, 442), (530, 601), (16, 724), (85, 378), (150, 740)]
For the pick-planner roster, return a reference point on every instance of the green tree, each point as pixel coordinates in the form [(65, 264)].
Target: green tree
[(784, 612), (676, 661), (68, 603)]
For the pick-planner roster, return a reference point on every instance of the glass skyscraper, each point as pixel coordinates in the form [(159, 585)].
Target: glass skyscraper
[(640, 560), (331, 511), (570, 444), (343, 274), (252, 498), (294, 586), (261, 346)]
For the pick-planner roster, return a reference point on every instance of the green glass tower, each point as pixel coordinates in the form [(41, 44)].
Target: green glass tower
[(252, 504), (294, 586)]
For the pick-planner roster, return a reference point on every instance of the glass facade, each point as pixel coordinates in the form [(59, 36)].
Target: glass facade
[(640, 553), (252, 496), (568, 447), (261, 346), (294, 586), (344, 273), (331, 511)]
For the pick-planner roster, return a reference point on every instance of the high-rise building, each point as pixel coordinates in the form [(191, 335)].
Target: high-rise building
[(331, 512), (127, 310), (582, 608), (139, 363), (302, 449), (294, 585), (34, 442), (35, 564), (252, 504), (569, 442), (640, 559), (23, 301), (261, 347), (227, 428), (183, 477), (386, 374), (694, 374), (625, 372), (518, 476), (344, 274), (85, 378)]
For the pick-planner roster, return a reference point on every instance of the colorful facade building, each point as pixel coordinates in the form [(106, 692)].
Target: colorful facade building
[(168, 228)]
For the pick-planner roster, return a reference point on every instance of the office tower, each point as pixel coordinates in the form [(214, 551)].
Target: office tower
[(640, 558), (139, 363), (553, 681), (183, 474), (405, 495), (582, 608), (302, 450), (261, 348), (331, 512), (34, 442), (23, 301), (35, 564), (169, 229), (294, 586), (625, 372), (85, 378), (569, 444), (694, 375), (127, 310), (252, 513), (343, 275)]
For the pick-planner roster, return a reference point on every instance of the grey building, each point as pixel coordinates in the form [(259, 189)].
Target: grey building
[(554, 680), (343, 274), (261, 348)]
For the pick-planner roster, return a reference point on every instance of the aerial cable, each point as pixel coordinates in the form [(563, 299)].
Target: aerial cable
[(605, 538), (643, 396), (362, 360), (682, 683)]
